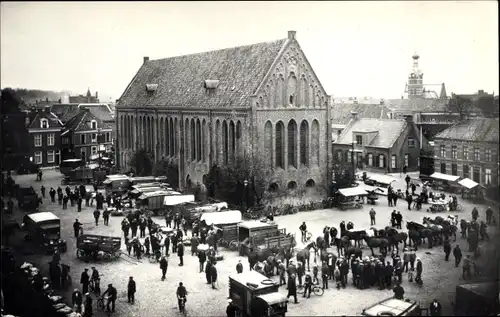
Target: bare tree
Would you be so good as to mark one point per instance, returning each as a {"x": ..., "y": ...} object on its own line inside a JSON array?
[{"x": 460, "y": 105}]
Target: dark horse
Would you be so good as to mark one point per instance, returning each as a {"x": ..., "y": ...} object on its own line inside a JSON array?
[
  {"x": 381, "y": 243},
  {"x": 258, "y": 256},
  {"x": 357, "y": 236},
  {"x": 304, "y": 254},
  {"x": 395, "y": 238}
]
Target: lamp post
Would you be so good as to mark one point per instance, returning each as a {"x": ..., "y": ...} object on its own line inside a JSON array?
[{"x": 246, "y": 194}]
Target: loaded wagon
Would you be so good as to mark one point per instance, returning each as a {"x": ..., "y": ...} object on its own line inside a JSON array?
[
  {"x": 155, "y": 201},
  {"x": 81, "y": 174},
  {"x": 116, "y": 184},
  {"x": 253, "y": 294},
  {"x": 262, "y": 235},
  {"x": 93, "y": 246},
  {"x": 349, "y": 197},
  {"x": 382, "y": 182},
  {"x": 177, "y": 203},
  {"x": 226, "y": 225}
]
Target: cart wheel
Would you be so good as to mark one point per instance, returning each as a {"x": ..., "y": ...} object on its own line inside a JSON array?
[
  {"x": 459, "y": 207},
  {"x": 318, "y": 291},
  {"x": 295, "y": 210},
  {"x": 80, "y": 253},
  {"x": 106, "y": 256}
]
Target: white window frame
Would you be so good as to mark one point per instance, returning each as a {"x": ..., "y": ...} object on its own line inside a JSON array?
[
  {"x": 454, "y": 152},
  {"x": 381, "y": 159},
  {"x": 487, "y": 176},
  {"x": 93, "y": 137},
  {"x": 393, "y": 161},
  {"x": 442, "y": 149},
  {"x": 49, "y": 153},
  {"x": 466, "y": 153},
  {"x": 407, "y": 159},
  {"x": 51, "y": 139},
  {"x": 412, "y": 143},
  {"x": 370, "y": 159},
  {"x": 92, "y": 123},
  {"x": 38, "y": 154},
  {"x": 38, "y": 140},
  {"x": 359, "y": 138},
  {"x": 477, "y": 154},
  {"x": 487, "y": 155},
  {"x": 42, "y": 121},
  {"x": 93, "y": 150}
]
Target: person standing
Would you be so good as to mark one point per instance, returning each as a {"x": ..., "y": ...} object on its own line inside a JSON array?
[
  {"x": 97, "y": 214},
  {"x": 87, "y": 306},
  {"x": 307, "y": 285},
  {"x": 76, "y": 228},
  {"x": 457, "y": 253},
  {"x": 85, "y": 281},
  {"x": 447, "y": 249},
  {"x": 52, "y": 194},
  {"x": 372, "y": 217},
  {"x": 65, "y": 202},
  {"x": 324, "y": 275},
  {"x": 131, "y": 289},
  {"x": 163, "y": 266},
  {"x": 180, "y": 253},
  {"x": 194, "y": 244},
  {"x": 112, "y": 294},
  {"x": 419, "y": 270},
  {"x": 77, "y": 300},
  {"x": 292, "y": 288},
  {"x": 489, "y": 215},
  {"x": 142, "y": 227},
  {"x": 399, "y": 291},
  {"x": 42, "y": 189},
  {"x": 409, "y": 200},
  {"x": 213, "y": 275},
  {"x": 303, "y": 230},
  {"x": 207, "y": 272},
  {"x": 239, "y": 268},
  {"x": 105, "y": 216},
  {"x": 79, "y": 204},
  {"x": 202, "y": 257}
]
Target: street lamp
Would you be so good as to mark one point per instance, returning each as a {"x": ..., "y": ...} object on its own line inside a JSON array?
[{"x": 246, "y": 194}]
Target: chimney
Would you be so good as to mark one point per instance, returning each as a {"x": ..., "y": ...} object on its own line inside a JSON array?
[
  {"x": 354, "y": 115},
  {"x": 291, "y": 35},
  {"x": 146, "y": 58},
  {"x": 47, "y": 109},
  {"x": 409, "y": 118}
]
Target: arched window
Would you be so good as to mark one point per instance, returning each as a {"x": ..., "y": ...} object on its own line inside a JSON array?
[
  {"x": 310, "y": 183},
  {"x": 238, "y": 139},
  {"x": 315, "y": 136},
  {"x": 292, "y": 143},
  {"x": 268, "y": 143},
  {"x": 199, "y": 140},
  {"x": 175, "y": 132},
  {"x": 161, "y": 135},
  {"x": 225, "y": 142},
  {"x": 280, "y": 151},
  {"x": 192, "y": 135},
  {"x": 172, "y": 136},
  {"x": 232, "y": 141},
  {"x": 304, "y": 90},
  {"x": 273, "y": 187},
  {"x": 148, "y": 133},
  {"x": 292, "y": 185},
  {"x": 217, "y": 137},
  {"x": 166, "y": 133},
  {"x": 280, "y": 87},
  {"x": 204, "y": 137},
  {"x": 292, "y": 89},
  {"x": 186, "y": 140},
  {"x": 304, "y": 143}
]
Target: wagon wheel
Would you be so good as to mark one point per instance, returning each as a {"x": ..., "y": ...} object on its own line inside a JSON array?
[
  {"x": 459, "y": 207},
  {"x": 80, "y": 253},
  {"x": 295, "y": 210},
  {"x": 233, "y": 245},
  {"x": 63, "y": 181},
  {"x": 106, "y": 256}
]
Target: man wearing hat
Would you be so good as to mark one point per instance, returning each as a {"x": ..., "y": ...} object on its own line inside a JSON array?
[
  {"x": 239, "y": 267},
  {"x": 324, "y": 274},
  {"x": 77, "y": 300},
  {"x": 112, "y": 294},
  {"x": 87, "y": 306},
  {"x": 418, "y": 278},
  {"x": 163, "y": 267},
  {"x": 85, "y": 281},
  {"x": 95, "y": 279},
  {"x": 308, "y": 285},
  {"x": 131, "y": 289},
  {"x": 281, "y": 272},
  {"x": 292, "y": 288}
]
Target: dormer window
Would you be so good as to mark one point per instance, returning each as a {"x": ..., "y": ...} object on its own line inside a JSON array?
[
  {"x": 44, "y": 123},
  {"x": 359, "y": 139},
  {"x": 211, "y": 84},
  {"x": 151, "y": 87},
  {"x": 93, "y": 125}
]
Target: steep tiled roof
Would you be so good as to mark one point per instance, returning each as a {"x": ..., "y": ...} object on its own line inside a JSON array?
[
  {"x": 341, "y": 113},
  {"x": 65, "y": 111},
  {"x": 418, "y": 105},
  {"x": 389, "y": 131},
  {"x": 79, "y": 122},
  {"x": 476, "y": 129},
  {"x": 102, "y": 111},
  {"x": 180, "y": 79},
  {"x": 54, "y": 121}
]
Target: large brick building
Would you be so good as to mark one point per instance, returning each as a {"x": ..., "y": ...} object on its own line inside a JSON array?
[
  {"x": 262, "y": 100},
  {"x": 469, "y": 149}
]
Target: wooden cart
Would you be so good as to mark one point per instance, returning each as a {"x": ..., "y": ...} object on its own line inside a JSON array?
[
  {"x": 349, "y": 197},
  {"x": 262, "y": 235},
  {"x": 94, "y": 246}
]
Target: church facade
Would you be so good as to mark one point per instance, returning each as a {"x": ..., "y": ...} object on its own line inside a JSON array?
[{"x": 257, "y": 102}]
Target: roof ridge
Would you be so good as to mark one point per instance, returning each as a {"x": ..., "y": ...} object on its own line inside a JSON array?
[{"x": 216, "y": 50}]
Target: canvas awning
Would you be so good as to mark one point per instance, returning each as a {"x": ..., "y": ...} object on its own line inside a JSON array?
[
  {"x": 222, "y": 217},
  {"x": 353, "y": 191},
  {"x": 445, "y": 177},
  {"x": 468, "y": 183},
  {"x": 382, "y": 179}
]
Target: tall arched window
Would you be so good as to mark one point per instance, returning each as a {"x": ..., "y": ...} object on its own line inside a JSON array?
[
  {"x": 232, "y": 140},
  {"x": 304, "y": 90},
  {"x": 134, "y": 134},
  {"x": 238, "y": 139},
  {"x": 122, "y": 130},
  {"x": 217, "y": 137},
  {"x": 199, "y": 140},
  {"x": 148, "y": 133},
  {"x": 225, "y": 142},
  {"x": 292, "y": 90},
  {"x": 271, "y": 94},
  {"x": 268, "y": 144},
  {"x": 192, "y": 135},
  {"x": 280, "y": 140},
  {"x": 166, "y": 132},
  {"x": 173, "y": 137},
  {"x": 204, "y": 143},
  {"x": 280, "y": 90},
  {"x": 186, "y": 140},
  {"x": 161, "y": 137},
  {"x": 315, "y": 142},
  {"x": 292, "y": 143},
  {"x": 304, "y": 143}
]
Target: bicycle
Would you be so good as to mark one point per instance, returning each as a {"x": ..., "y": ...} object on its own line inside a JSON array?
[
  {"x": 101, "y": 306},
  {"x": 182, "y": 307},
  {"x": 318, "y": 291}
]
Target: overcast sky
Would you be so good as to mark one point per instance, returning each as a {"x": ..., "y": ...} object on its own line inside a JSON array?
[{"x": 355, "y": 48}]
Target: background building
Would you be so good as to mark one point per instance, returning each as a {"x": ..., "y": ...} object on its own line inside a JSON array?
[
  {"x": 469, "y": 149},
  {"x": 44, "y": 129},
  {"x": 259, "y": 102},
  {"x": 88, "y": 98}
]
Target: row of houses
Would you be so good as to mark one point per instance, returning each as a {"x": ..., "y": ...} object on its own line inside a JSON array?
[{"x": 64, "y": 131}]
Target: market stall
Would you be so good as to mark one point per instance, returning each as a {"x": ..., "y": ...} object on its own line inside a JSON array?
[
  {"x": 349, "y": 197},
  {"x": 471, "y": 189},
  {"x": 444, "y": 182}
]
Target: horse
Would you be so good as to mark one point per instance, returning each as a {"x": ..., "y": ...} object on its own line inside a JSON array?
[
  {"x": 321, "y": 245},
  {"x": 304, "y": 254},
  {"x": 351, "y": 250},
  {"x": 258, "y": 256},
  {"x": 285, "y": 254},
  {"x": 380, "y": 243},
  {"x": 449, "y": 228},
  {"x": 357, "y": 236},
  {"x": 395, "y": 238},
  {"x": 326, "y": 255}
]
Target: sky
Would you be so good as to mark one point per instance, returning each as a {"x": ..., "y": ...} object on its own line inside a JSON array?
[{"x": 355, "y": 48}]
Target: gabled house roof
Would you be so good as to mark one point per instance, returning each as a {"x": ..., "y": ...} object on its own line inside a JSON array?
[
  {"x": 53, "y": 120},
  {"x": 475, "y": 129},
  {"x": 101, "y": 110},
  {"x": 80, "y": 122},
  {"x": 388, "y": 131},
  {"x": 341, "y": 113},
  {"x": 180, "y": 80},
  {"x": 66, "y": 111}
]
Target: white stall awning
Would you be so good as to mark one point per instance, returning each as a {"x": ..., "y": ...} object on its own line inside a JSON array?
[
  {"x": 353, "y": 191},
  {"x": 445, "y": 177},
  {"x": 468, "y": 183},
  {"x": 382, "y": 179}
]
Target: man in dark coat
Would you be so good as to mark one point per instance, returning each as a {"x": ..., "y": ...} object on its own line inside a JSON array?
[
  {"x": 97, "y": 214},
  {"x": 292, "y": 288},
  {"x": 166, "y": 244},
  {"x": 324, "y": 275},
  {"x": 435, "y": 308},
  {"x": 202, "y": 257},
  {"x": 174, "y": 241},
  {"x": 85, "y": 281},
  {"x": 389, "y": 270},
  {"x": 180, "y": 253},
  {"x": 105, "y": 216},
  {"x": 489, "y": 215},
  {"x": 399, "y": 292},
  {"x": 88, "y": 306},
  {"x": 52, "y": 194},
  {"x": 133, "y": 227},
  {"x": 457, "y": 253},
  {"x": 213, "y": 275},
  {"x": 142, "y": 227},
  {"x": 163, "y": 266},
  {"x": 207, "y": 272},
  {"x": 77, "y": 300},
  {"x": 419, "y": 269},
  {"x": 76, "y": 228},
  {"x": 79, "y": 204},
  {"x": 239, "y": 267},
  {"x": 131, "y": 289},
  {"x": 42, "y": 189},
  {"x": 409, "y": 200},
  {"x": 112, "y": 295},
  {"x": 447, "y": 249}
]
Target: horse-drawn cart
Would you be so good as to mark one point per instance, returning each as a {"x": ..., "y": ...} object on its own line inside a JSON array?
[
  {"x": 349, "y": 197},
  {"x": 95, "y": 246},
  {"x": 226, "y": 225},
  {"x": 439, "y": 206},
  {"x": 259, "y": 235}
]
